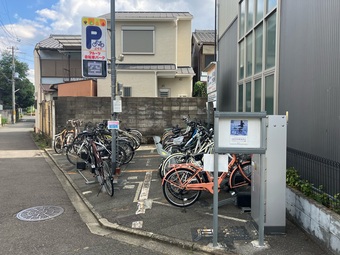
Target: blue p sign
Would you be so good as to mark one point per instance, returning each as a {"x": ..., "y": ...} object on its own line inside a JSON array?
[{"x": 92, "y": 33}]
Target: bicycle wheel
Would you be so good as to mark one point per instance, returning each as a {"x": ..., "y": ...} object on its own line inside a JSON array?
[
  {"x": 174, "y": 188},
  {"x": 58, "y": 145},
  {"x": 175, "y": 158},
  {"x": 69, "y": 137},
  {"x": 240, "y": 176},
  {"x": 107, "y": 179},
  {"x": 76, "y": 152}
]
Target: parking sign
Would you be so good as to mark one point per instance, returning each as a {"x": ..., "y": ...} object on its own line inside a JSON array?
[{"x": 93, "y": 47}]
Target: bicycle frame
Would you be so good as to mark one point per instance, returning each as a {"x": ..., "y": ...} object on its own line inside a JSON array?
[{"x": 207, "y": 185}]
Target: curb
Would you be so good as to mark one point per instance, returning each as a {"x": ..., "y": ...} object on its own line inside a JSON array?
[{"x": 161, "y": 238}]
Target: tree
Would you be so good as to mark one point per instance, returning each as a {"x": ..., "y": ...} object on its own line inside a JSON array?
[
  {"x": 200, "y": 89},
  {"x": 24, "y": 97}
]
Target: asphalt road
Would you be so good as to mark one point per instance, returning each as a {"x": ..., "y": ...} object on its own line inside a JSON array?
[{"x": 30, "y": 180}]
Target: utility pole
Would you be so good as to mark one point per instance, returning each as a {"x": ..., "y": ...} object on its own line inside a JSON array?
[
  {"x": 13, "y": 88},
  {"x": 113, "y": 86}
]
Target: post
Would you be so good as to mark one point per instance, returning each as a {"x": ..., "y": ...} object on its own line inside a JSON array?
[
  {"x": 113, "y": 86},
  {"x": 13, "y": 87}
]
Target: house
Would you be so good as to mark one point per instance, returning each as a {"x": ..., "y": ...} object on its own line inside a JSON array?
[
  {"x": 283, "y": 57},
  {"x": 203, "y": 51},
  {"x": 56, "y": 61},
  {"x": 157, "y": 54},
  {"x": 157, "y": 60}
]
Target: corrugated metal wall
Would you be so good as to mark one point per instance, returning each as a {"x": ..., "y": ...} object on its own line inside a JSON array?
[
  {"x": 309, "y": 75},
  {"x": 227, "y": 77}
]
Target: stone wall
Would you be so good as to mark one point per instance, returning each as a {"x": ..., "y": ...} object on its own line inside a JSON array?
[
  {"x": 149, "y": 115},
  {"x": 320, "y": 222}
]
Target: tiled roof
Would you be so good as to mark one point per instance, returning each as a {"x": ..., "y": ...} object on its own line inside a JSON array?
[
  {"x": 204, "y": 36},
  {"x": 60, "y": 42},
  {"x": 184, "y": 70},
  {"x": 124, "y": 15}
]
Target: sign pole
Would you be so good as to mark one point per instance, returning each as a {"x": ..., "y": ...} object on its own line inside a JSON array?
[{"x": 113, "y": 86}]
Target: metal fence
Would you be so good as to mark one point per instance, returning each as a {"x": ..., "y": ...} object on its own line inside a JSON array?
[{"x": 323, "y": 173}]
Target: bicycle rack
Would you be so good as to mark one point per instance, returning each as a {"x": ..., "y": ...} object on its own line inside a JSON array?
[{"x": 82, "y": 166}]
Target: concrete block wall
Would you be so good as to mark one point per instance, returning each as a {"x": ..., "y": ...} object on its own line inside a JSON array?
[
  {"x": 149, "y": 115},
  {"x": 320, "y": 222}
]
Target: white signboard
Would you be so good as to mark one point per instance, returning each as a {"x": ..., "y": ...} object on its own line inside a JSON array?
[{"x": 93, "y": 47}]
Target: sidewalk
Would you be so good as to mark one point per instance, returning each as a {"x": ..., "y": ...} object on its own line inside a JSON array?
[{"x": 139, "y": 207}]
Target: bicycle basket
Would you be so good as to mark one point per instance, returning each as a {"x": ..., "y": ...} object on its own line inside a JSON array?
[{"x": 178, "y": 140}]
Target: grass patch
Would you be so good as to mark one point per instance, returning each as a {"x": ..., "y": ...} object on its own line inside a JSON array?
[{"x": 41, "y": 140}]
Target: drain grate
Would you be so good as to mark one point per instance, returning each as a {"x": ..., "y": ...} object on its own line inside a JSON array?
[{"x": 39, "y": 213}]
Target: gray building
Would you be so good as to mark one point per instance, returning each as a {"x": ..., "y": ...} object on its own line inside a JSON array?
[{"x": 282, "y": 56}]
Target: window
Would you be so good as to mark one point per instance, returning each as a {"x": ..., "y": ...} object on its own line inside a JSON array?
[
  {"x": 249, "y": 55},
  {"x": 271, "y": 41},
  {"x": 259, "y": 10},
  {"x": 242, "y": 18},
  {"x": 271, "y": 4},
  {"x": 240, "y": 98},
  {"x": 164, "y": 93},
  {"x": 241, "y": 60},
  {"x": 258, "y": 48},
  {"x": 257, "y": 95},
  {"x": 248, "y": 97},
  {"x": 269, "y": 94},
  {"x": 257, "y": 79},
  {"x": 250, "y": 14},
  {"x": 127, "y": 91},
  {"x": 138, "y": 39}
]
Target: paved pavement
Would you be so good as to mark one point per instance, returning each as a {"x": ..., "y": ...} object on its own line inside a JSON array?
[{"x": 139, "y": 207}]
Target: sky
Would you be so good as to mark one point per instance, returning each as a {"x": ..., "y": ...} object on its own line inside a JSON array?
[{"x": 24, "y": 23}]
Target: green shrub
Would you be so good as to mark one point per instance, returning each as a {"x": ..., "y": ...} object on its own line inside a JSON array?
[
  {"x": 3, "y": 121},
  {"x": 293, "y": 180}
]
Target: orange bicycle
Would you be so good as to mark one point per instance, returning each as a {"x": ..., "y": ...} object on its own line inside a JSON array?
[{"x": 183, "y": 184}]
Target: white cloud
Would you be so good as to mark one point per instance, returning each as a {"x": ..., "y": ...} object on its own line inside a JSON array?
[
  {"x": 64, "y": 17},
  {"x": 47, "y": 14}
]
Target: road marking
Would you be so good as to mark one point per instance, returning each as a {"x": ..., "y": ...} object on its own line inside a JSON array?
[
  {"x": 140, "y": 170},
  {"x": 144, "y": 193},
  {"x": 229, "y": 218}
]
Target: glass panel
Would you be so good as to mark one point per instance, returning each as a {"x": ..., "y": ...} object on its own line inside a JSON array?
[
  {"x": 271, "y": 4},
  {"x": 240, "y": 98},
  {"x": 248, "y": 97},
  {"x": 269, "y": 94},
  {"x": 241, "y": 60},
  {"x": 137, "y": 41},
  {"x": 249, "y": 53},
  {"x": 250, "y": 14},
  {"x": 257, "y": 96},
  {"x": 242, "y": 18},
  {"x": 258, "y": 48},
  {"x": 259, "y": 10},
  {"x": 271, "y": 41}
]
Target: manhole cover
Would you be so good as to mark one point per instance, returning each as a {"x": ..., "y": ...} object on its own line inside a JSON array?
[{"x": 38, "y": 213}]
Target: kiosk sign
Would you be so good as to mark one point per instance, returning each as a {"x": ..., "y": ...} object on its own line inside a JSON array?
[{"x": 93, "y": 47}]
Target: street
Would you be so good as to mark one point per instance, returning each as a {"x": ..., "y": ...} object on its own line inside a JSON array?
[{"x": 28, "y": 180}]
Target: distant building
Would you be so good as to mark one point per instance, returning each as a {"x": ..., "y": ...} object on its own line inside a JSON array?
[{"x": 203, "y": 51}]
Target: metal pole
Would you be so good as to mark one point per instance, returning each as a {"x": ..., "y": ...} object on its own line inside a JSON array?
[
  {"x": 13, "y": 88},
  {"x": 113, "y": 85}
]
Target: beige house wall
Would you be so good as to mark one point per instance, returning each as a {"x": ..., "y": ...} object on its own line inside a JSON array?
[
  {"x": 143, "y": 84},
  {"x": 184, "y": 43},
  {"x": 177, "y": 86},
  {"x": 172, "y": 46}
]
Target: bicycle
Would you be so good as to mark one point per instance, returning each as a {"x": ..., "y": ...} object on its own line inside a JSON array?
[
  {"x": 66, "y": 136},
  {"x": 100, "y": 167},
  {"x": 183, "y": 184}
]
